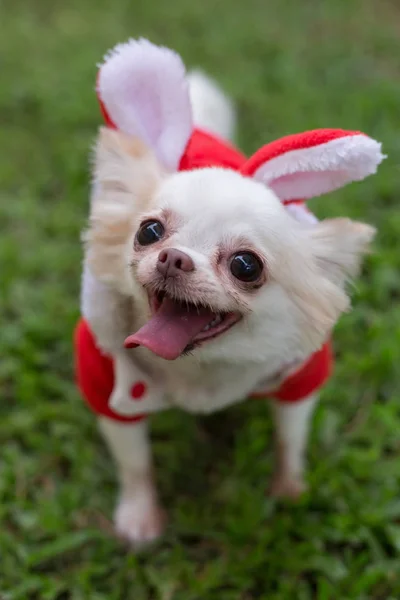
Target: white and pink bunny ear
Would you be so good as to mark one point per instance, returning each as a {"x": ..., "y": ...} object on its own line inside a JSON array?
[
  {"x": 305, "y": 165},
  {"x": 142, "y": 90}
]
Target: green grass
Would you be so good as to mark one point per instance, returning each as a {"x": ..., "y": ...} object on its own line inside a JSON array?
[{"x": 290, "y": 66}]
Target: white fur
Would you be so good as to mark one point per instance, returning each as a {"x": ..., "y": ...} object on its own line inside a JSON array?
[
  {"x": 292, "y": 423},
  {"x": 211, "y": 212},
  {"x": 310, "y": 172},
  {"x": 128, "y": 444},
  {"x": 138, "y": 516}
]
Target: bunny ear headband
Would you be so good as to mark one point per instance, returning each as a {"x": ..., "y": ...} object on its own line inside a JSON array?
[{"x": 143, "y": 91}]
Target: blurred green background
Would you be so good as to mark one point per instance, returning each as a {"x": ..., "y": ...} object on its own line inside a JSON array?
[{"x": 289, "y": 66}]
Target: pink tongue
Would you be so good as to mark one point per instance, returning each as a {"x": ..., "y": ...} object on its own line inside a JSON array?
[{"x": 171, "y": 329}]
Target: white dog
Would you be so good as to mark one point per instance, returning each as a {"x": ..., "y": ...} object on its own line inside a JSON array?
[{"x": 206, "y": 280}]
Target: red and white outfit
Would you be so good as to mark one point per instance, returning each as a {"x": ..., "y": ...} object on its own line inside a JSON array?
[{"x": 296, "y": 167}]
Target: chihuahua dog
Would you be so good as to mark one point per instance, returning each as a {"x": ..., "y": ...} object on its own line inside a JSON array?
[{"x": 206, "y": 280}]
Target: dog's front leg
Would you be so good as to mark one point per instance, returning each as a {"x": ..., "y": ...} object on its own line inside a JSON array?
[
  {"x": 292, "y": 422},
  {"x": 138, "y": 516}
]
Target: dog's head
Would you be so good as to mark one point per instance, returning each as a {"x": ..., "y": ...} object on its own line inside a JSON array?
[
  {"x": 213, "y": 251},
  {"x": 214, "y": 258}
]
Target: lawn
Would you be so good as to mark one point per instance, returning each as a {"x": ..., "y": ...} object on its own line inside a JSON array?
[{"x": 290, "y": 66}]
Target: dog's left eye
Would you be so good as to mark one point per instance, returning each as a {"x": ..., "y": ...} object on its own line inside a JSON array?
[
  {"x": 149, "y": 233},
  {"x": 246, "y": 267}
]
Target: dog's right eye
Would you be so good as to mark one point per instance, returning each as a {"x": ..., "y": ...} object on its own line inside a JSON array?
[{"x": 149, "y": 233}]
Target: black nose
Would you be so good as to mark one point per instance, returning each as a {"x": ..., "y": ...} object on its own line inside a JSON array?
[{"x": 172, "y": 261}]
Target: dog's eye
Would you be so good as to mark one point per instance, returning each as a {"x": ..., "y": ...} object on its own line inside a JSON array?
[
  {"x": 246, "y": 267},
  {"x": 149, "y": 233}
]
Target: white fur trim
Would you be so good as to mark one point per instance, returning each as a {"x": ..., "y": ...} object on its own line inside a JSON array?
[
  {"x": 310, "y": 172},
  {"x": 145, "y": 92},
  {"x": 127, "y": 373}
]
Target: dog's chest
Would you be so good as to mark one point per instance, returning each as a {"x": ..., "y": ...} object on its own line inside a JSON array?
[{"x": 205, "y": 387}]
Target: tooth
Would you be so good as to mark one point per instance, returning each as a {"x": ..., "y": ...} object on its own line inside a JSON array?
[{"x": 216, "y": 321}]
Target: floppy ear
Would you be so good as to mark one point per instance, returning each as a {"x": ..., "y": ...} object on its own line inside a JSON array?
[
  {"x": 305, "y": 165},
  {"x": 143, "y": 92}
]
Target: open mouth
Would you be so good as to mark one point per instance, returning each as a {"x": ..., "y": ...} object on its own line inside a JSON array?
[{"x": 176, "y": 327}]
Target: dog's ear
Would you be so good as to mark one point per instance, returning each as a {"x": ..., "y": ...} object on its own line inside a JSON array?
[
  {"x": 318, "y": 285},
  {"x": 339, "y": 246},
  {"x": 124, "y": 165},
  {"x": 305, "y": 165},
  {"x": 126, "y": 175},
  {"x": 143, "y": 92}
]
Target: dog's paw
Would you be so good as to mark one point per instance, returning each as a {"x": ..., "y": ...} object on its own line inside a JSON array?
[
  {"x": 138, "y": 523},
  {"x": 287, "y": 487}
]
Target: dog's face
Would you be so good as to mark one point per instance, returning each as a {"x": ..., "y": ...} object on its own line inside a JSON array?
[{"x": 220, "y": 264}]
